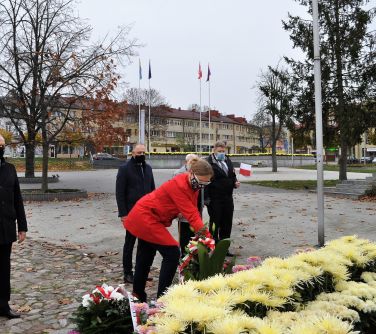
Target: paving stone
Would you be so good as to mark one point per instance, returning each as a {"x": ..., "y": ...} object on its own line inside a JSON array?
[{"x": 46, "y": 293}]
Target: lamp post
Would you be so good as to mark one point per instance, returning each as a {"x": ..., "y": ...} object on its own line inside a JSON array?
[{"x": 319, "y": 133}]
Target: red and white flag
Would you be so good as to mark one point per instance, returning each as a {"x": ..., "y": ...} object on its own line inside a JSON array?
[
  {"x": 245, "y": 169},
  {"x": 199, "y": 71}
]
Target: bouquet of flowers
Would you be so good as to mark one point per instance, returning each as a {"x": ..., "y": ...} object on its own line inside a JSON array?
[
  {"x": 144, "y": 315},
  {"x": 252, "y": 262},
  {"x": 204, "y": 258},
  {"x": 104, "y": 310}
]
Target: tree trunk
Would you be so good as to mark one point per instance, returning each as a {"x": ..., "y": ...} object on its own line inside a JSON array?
[
  {"x": 30, "y": 160},
  {"x": 45, "y": 166},
  {"x": 343, "y": 159},
  {"x": 274, "y": 148},
  {"x": 341, "y": 115}
]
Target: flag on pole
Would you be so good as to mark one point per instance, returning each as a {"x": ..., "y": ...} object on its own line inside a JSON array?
[
  {"x": 245, "y": 169},
  {"x": 139, "y": 69},
  {"x": 209, "y": 74},
  {"x": 199, "y": 71},
  {"x": 149, "y": 75}
]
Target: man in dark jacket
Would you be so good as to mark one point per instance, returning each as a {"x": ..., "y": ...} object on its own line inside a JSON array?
[
  {"x": 134, "y": 180},
  {"x": 11, "y": 210},
  {"x": 218, "y": 193}
]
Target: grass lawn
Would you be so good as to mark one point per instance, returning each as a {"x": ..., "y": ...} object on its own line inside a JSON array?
[
  {"x": 293, "y": 184},
  {"x": 356, "y": 168},
  {"x": 54, "y": 164}
]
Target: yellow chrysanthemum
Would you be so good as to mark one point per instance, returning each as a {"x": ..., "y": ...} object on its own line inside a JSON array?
[
  {"x": 217, "y": 282},
  {"x": 270, "y": 328},
  {"x": 333, "y": 325},
  {"x": 193, "y": 311},
  {"x": 230, "y": 324},
  {"x": 185, "y": 290},
  {"x": 169, "y": 325},
  {"x": 221, "y": 298}
]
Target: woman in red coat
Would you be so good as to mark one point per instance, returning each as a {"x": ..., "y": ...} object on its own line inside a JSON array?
[{"x": 153, "y": 213}]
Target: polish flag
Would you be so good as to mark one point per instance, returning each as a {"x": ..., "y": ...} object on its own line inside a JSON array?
[{"x": 245, "y": 169}]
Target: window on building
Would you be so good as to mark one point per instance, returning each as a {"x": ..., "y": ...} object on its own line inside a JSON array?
[
  {"x": 170, "y": 134},
  {"x": 130, "y": 119}
]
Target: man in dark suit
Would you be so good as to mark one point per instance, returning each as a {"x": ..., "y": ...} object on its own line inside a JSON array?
[
  {"x": 11, "y": 210},
  {"x": 134, "y": 180},
  {"x": 218, "y": 194}
]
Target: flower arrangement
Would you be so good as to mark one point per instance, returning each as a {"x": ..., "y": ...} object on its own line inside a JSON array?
[
  {"x": 104, "y": 310},
  {"x": 252, "y": 262},
  {"x": 327, "y": 291},
  {"x": 144, "y": 315},
  {"x": 204, "y": 258}
]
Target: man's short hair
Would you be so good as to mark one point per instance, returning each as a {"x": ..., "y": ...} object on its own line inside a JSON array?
[
  {"x": 219, "y": 144},
  {"x": 138, "y": 144}
]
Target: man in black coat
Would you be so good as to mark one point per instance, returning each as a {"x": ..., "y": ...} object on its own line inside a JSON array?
[
  {"x": 11, "y": 210},
  {"x": 134, "y": 180},
  {"x": 218, "y": 194}
]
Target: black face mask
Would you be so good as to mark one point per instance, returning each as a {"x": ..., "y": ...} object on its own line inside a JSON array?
[
  {"x": 140, "y": 159},
  {"x": 195, "y": 184},
  {"x": 2, "y": 149}
]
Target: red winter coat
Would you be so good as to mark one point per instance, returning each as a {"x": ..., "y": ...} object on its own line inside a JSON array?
[{"x": 155, "y": 211}]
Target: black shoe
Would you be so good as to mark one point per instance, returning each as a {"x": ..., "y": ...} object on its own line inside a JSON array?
[
  {"x": 230, "y": 254},
  {"x": 10, "y": 314},
  {"x": 128, "y": 278}
]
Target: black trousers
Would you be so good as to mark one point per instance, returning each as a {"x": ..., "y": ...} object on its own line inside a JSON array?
[
  {"x": 5, "y": 251},
  {"x": 221, "y": 212},
  {"x": 144, "y": 259},
  {"x": 130, "y": 240},
  {"x": 185, "y": 235}
]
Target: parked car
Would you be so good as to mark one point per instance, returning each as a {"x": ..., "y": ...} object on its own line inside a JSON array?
[
  {"x": 104, "y": 156},
  {"x": 374, "y": 160},
  {"x": 352, "y": 160},
  {"x": 368, "y": 160}
]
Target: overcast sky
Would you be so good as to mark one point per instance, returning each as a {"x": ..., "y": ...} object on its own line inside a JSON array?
[{"x": 238, "y": 38}]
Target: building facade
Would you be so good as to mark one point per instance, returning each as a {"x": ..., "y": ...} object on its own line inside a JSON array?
[{"x": 177, "y": 130}]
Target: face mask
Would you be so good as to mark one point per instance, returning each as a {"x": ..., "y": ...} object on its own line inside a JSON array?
[
  {"x": 139, "y": 159},
  {"x": 220, "y": 156},
  {"x": 2, "y": 149}
]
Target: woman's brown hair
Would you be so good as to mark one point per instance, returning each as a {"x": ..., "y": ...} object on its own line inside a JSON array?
[{"x": 201, "y": 167}]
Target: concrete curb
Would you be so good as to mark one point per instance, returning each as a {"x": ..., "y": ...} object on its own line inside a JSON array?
[
  {"x": 62, "y": 196},
  {"x": 37, "y": 179}
]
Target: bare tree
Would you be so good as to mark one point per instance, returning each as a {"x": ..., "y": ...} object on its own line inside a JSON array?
[
  {"x": 134, "y": 96},
  {"x": 276, "y": 95},
  {"x": 45, "y": 58}
]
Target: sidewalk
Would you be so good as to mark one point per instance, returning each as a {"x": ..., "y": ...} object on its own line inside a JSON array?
[{"x": 73, "y": 246}]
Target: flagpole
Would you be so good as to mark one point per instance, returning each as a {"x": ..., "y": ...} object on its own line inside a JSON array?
[
  {"x": 149, "y": 134},
  {"x": 139, "y": 100},
  {"x": 208, "y": 79},
  {"x": 200, "y": 121}
]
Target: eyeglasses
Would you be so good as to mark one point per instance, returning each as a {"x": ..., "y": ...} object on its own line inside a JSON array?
[{"x": 201, "y": 183}]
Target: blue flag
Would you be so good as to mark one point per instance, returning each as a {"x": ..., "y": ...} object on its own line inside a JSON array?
[
  {"x": 209, "y": 74},
  {"x": 139, "y": 69},
  {"x": 149, "y": 76}
]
